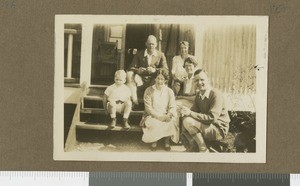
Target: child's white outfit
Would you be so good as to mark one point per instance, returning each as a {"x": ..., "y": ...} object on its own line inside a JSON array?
[{"x": 118, "y": 100}]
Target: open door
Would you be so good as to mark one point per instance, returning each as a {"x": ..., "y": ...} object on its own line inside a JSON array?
[{"x": 136, "y": 36}]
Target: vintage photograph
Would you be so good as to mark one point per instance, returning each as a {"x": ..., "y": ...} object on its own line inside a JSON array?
[{"x": 160, "y": 88}]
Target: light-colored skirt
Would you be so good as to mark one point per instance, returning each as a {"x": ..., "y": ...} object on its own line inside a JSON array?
[{"x": 155, "y": 130}]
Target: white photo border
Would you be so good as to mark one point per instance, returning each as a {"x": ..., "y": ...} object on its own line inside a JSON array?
[{"x": 259, "y": 156}]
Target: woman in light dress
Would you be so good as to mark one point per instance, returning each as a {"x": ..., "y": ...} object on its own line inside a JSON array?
[{"x": 159, "y": 120}]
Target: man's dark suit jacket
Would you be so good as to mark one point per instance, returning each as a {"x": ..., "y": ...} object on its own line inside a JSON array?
[{"x": 139, "y": 60}]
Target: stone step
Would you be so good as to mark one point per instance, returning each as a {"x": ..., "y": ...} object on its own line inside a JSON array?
[
  {"x": 96, "y": 115},
  {"x": 106, "y": 127}
]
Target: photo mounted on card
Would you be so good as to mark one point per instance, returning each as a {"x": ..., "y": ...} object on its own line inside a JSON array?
[{"x": 160, "y": 88}]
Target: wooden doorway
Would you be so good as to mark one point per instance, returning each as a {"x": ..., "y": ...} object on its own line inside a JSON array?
[
  {"x": 136, "y": 35},
  {"x": 105, "y": 57}
]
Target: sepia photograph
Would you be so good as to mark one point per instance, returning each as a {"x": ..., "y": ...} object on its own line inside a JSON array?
[{"x": 160, "y": 88}]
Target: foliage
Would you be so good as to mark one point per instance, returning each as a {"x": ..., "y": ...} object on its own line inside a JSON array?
[
  {"x": 243, "y": 126},
  {"x": 243, "y": 123}
]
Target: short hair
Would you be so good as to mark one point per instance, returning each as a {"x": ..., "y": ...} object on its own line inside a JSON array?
[
  {"x": 190, "y": 60},
  {"x": 120, "y": 73},
  {"x": 163, "y": 72},
  {"x": 151, "y": 37},
  {"x": 185, "y": 43},
  {"x": 199, "y": 71}
]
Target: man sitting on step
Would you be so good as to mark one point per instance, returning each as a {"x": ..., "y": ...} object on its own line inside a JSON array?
[
  {"x": 143, "y": 68},
  {"x": 117, "y": 99}
]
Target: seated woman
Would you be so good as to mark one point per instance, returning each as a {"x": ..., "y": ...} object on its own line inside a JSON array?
[
  {"x": 188, "y": 88},
  {"x": 187, "y": 95},
  {"x": 178, "y": 70},
  {"x": 160, "y": 113}
]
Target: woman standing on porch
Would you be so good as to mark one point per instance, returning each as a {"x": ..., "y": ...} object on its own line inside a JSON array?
[{"x": 160, "y": 113}]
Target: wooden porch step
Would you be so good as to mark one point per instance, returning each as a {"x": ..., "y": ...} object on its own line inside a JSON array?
[
  {"x": 101, "y": 126},
  {"x": 101, "y": 111},
  {"x": 95, "y": 91},
  {"x": 97, "y": 115},
  {"x": 92, "y": 102},
  {"x": 98, "y": 86},
  {"x": 95, "y": 101},
  {"x": 99, "y": 98}
]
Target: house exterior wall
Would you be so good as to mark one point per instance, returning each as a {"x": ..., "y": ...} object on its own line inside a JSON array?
[
  {"x": 227, "y": 52},
  {"x": 229, "y": 55}
]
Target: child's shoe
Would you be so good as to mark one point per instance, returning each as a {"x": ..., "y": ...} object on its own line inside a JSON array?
[
  {"x": 113, "y": 122},
  {"x": 125, "y": 122}
]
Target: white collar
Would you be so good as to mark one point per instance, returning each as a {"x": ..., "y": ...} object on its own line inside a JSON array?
[
  {"x": 146, "y": 53},
  {"x": 206, "y": 94}
]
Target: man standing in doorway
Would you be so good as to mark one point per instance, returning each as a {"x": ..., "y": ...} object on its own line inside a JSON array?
[
  {"x": 208, "y": 118},
  {"x": 144, "y": 65}
]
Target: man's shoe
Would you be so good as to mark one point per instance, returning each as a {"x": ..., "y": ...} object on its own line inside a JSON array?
[{"x": 204, "y": 150}]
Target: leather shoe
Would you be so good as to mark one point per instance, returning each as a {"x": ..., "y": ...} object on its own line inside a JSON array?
[
  {"x": 168, "y": 148},
  {"x": 153, "y": 147}
]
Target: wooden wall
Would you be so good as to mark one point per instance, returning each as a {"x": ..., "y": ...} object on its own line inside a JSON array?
[{"x": 229, "y": 56}]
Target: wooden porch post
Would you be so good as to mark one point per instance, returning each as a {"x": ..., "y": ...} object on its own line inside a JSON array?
[
  {"x": 86, "y": 54},
  {"x": 70, "y": 51}
]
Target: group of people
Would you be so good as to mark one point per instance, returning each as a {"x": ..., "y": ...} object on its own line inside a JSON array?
[{"x": 191, "y": 98}]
